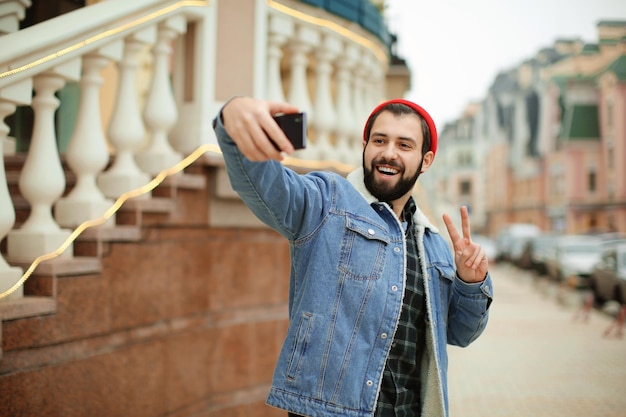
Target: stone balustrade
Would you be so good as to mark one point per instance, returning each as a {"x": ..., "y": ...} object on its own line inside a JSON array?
[
  {"x": 344, "y": 69},
  {"x": 40, "y": 61},
  {"x": 333, "y": 71}
]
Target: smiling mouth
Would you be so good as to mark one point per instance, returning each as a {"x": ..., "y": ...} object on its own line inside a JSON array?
[{"x": 387, "y": 170}]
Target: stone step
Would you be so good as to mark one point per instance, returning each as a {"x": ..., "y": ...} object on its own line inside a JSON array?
[{"x": 177, "y": 200}]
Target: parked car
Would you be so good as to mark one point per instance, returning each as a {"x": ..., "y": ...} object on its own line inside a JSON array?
[
  {"x": 511, "y": 240},
  {"x": 572, "y": 259},
  {"x": 610, "y": 236},
  {"x": 608, "y": 278},
  {"x": 538, "y": 249}
]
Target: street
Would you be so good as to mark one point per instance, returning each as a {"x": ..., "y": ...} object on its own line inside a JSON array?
[{"x": 536, "y": 358}]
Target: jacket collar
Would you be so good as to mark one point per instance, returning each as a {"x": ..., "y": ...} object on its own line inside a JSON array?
[{"x": 356, "y": 178}]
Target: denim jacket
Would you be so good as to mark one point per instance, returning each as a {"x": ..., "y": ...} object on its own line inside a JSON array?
[{"x": 347, "y": 283}]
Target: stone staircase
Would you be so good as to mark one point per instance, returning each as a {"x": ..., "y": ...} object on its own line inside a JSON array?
[
  {"x": 173, "y": 202},
  {"x": 156, "y": 315}
]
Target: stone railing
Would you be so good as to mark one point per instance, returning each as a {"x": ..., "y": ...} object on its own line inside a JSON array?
[
  {"x": 331, "y": 68},
  {"x": 348, "y": 64},
  {"x": 76, "y": 47}
]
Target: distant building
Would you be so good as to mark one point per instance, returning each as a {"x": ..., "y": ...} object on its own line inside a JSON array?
[{"x": 547, "y": 145}]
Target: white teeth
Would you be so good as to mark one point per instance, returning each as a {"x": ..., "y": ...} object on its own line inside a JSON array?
[{"x": 388, "y": 170}]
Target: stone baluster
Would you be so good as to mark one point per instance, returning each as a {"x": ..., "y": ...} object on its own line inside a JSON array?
[
  {"x": 8, "y": 275},
  {"x": 11, "y": 13},
  {"x": 193, "y": 75},
  {"x": 274, "y": 79},
  {"x": 376, "y": 82},
  {"x": 302, "y": 42},
  {"x": 160, "y": 112},
  {"x": 126, "y": 129},
  {"x": 367, "y": 86},
  {"x": 360, "y": 111},
  {"x": 345, "y": 109},
  {"x": 280, "y": 29},
  {"x": 42, "y": 180},
  {"x": 87, "y": 154},
  {"x": 325, "y": 118},
  {"x": 10, "y": 97},
  {"x": 381, "y": 82}
]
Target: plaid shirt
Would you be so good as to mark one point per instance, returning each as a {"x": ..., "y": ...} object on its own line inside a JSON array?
[{"x": 400, "y": 389}]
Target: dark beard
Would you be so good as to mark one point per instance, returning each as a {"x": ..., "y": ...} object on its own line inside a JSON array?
[{"x": 383, "y": 193}]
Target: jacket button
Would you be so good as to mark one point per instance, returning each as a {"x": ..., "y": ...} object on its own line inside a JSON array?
[
  {"x": 396, "y": 249},
  {"x": 371, "y": 232},
  {"x": 394, "y": 288},
  {"x": 383, "y": 336},
  {"x": 369, "y": 383}
]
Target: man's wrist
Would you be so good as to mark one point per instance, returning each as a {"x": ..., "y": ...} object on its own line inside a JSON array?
[
  {"x": 473, "y": 282},
  {"x": 220, "y": 114}
]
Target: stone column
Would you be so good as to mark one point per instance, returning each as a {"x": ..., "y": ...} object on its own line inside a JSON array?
[
  {"x": 160, "y": 113},
  {"x": 10, "y": 97},
  {"x": 87, "y": 154},
  {"x": 360, "y": 108},
  {"x": 11, "y": 13},
  {"x": 300, "y": 45},
  {"x": 344, "y": 127},
  {"x": 126, "y": 130},
  {"x": 42, "y": 180},
  {"x": 325, "y": 118},
  {"x": 280, "y": 29}
]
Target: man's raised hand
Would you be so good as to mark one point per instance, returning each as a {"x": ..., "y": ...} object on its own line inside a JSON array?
[
  {"x": 469, "y": 257},
  {"x": 250, "y": 124}
]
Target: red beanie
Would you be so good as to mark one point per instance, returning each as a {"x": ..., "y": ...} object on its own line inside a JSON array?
[{"x": 418, "y": 109}]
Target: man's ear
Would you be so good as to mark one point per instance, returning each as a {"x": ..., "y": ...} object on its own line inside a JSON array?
[{"x": 428, "y": 160}]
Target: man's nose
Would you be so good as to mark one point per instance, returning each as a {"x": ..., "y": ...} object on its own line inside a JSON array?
[{"x": 390, "y": 151}]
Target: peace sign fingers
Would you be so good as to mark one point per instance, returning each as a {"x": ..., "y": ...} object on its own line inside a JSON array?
[
  {"x": 465, "y": 228},
  {"x": 465, "y": 223},
  {"x": 469, "y": 257}
]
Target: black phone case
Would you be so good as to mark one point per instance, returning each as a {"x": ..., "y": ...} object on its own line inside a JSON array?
[{"x": 294, "y": 126}]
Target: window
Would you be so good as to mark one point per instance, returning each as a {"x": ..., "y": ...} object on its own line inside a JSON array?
[
  {"x": 465, "y": 187},
  {"x": 592, "y": 180},
  {"x": 610, "y": 154},
  {"x": 464, "y": 158},
  {"x": 557, "y": 184}
]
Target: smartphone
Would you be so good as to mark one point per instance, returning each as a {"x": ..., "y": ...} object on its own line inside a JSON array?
[{"x": 294, "y": 126}]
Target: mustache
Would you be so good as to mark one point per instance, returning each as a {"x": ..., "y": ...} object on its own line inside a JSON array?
[{"x": 385, "y": 161}]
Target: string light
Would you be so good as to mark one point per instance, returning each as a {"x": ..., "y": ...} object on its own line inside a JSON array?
[{"x": 158, "y": 179}]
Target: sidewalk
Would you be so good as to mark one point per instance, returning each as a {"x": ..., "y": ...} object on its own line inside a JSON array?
[{"x": 535, "y": 360}]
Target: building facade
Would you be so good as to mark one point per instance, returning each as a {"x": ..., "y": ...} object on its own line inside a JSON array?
[{"x": 551, "y": 134}]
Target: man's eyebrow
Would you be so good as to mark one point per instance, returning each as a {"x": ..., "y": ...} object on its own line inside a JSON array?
[
  {"x": 403, "y": 138},
  {"x": 408, "y": 139}
]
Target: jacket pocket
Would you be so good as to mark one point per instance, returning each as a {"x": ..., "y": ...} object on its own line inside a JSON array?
[
  {"x": 447, "y": 272},
  {"x": 443, "y": 276},
  {"x": 363, "y": 249},
  {"x": 303, "y": 334}
]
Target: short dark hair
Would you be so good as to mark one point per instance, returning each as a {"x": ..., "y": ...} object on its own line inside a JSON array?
[{"x": 398, "y": 109}]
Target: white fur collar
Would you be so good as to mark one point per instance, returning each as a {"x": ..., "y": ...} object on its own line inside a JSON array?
[{"x": 356, "y": 179}]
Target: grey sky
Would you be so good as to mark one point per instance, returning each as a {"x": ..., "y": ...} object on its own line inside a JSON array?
[{"x": 455, "y": 48}]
